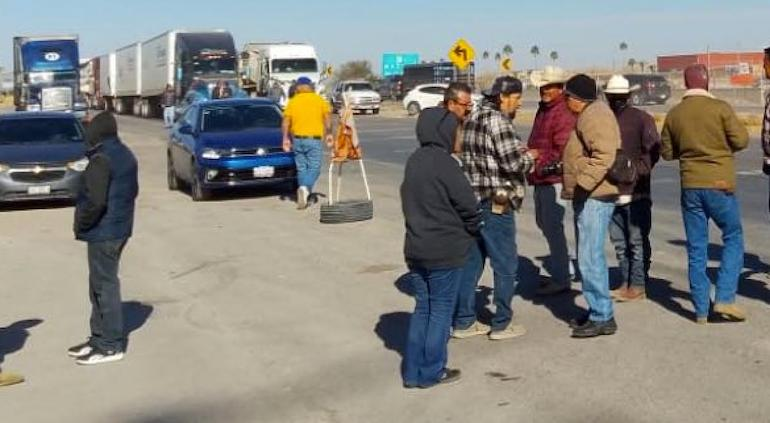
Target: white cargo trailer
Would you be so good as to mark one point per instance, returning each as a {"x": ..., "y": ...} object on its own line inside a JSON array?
[{"x": 128, "y": 83}]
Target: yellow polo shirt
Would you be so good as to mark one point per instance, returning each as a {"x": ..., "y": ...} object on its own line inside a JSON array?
[{"x": 307, "y": 112}]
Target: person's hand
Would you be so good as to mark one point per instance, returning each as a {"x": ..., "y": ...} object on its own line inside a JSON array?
[
  {"x": 329, "y": 140},
  {"x": 286, "y": 145},
  {"x": 535, "y": 154}
]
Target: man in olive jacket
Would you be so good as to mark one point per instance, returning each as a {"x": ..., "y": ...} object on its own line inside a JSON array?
[
  {"x": 704, "y": 134},
  {"x": 587, "y": 157}
]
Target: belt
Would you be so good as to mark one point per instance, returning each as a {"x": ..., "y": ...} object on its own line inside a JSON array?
[{"x": 312, "y": 137}]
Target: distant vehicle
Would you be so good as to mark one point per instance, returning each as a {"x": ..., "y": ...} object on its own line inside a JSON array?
[
  {"x": 46, "y": 74},
  {"x": 435, "y": 73},
  {"x": 42, "y": 156},
  {"x": 133, "y": 78},
  {"x": 263, "y": 64},
  {"x": 89, "y": 83},
  {"x": 430, "y": 95},
  {"x": 652, "y": 89},
  {"x": 390, "y": 88},
  {"x": 6, "y": 83},
  {"x": 223, "y": 144},
  {"x": 361, "y": 94}
]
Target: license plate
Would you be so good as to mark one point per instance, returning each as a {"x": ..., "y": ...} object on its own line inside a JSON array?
[
  {"x": 264, "y": 172},
  {"x": 39, "y": 190}
]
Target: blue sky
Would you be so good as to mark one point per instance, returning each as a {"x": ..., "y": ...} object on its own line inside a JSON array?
[{"x": 584, "y": 33}]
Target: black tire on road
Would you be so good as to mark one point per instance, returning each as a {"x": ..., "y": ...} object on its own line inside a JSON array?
[
  {"x": 347, "y": 212},
  {"x": 197, "y": 192},
  {"x": 172, "y": 179},
  {"x": 413, "y": 108}
]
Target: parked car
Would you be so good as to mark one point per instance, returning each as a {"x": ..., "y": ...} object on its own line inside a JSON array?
[
  {"x": 652, "y": 89},
  {"x": 223, "y": 144},
  {"x": 430, "y": 95},
  {"x": 42, "y": 156},
  {"x": 390, "y": 88},
  {"x": 362, "y": 96}
]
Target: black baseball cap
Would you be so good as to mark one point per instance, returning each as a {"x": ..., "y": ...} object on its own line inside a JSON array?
[{"x": 504, "y": 85}]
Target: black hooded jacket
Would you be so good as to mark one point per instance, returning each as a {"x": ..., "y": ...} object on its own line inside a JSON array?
[{"x": 440, "y": 208}]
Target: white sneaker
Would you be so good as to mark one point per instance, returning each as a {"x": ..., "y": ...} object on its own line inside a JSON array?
[
  {"x": 510, "y": 331},
  {"x": 302, "y": 194},
  {"x": 98, "y": 356},
  {"x": 474, "y": 330}
]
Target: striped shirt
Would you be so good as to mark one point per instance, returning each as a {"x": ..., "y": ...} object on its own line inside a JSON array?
[{"x": 493, "y": 155}]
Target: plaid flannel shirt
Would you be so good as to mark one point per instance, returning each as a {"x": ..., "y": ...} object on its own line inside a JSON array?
[
  {"x": 493, "y": 156},
  {"x": 766, "y": 127}
]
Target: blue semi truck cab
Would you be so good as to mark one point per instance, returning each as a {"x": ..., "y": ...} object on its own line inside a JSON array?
[{"x": 46, "y": 74}]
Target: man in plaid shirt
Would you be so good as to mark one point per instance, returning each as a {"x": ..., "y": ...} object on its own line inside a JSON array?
[
  {"x": 766, "y": 120},
  {"x": 496, "y": 164}
]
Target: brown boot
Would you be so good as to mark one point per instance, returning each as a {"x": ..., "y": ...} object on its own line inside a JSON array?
[
  {"x": 617, "y": 293},
  {"x": 7, "y": 379},
  {"x": 730, "y": 312},
  {"x": 631, "y": 294}
]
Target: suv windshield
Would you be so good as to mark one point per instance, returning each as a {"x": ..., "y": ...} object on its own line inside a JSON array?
[
  {"x": 40, "y": 131},
  {"x": 295, "y": 65},
  {"x": 359, "y": 86},
  {"x": 227, "y": 118}
]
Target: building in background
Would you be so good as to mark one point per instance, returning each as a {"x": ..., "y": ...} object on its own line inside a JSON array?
[{"x": 735, "y": 68}]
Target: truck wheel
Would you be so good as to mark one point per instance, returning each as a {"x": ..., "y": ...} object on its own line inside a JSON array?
[
  {"x": 197, "y": 192},
  {"x": 376, "y": 111},
  {"x": 347, "y": 212},
  {"x": 119, "y": 106},
  {"x": 413, "y": 108}
]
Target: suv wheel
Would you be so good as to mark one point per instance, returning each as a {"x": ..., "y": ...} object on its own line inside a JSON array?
[
  {"x": 413, "y": 108},
  {"x": 197, "y": 191},
  {"x": 173, "y": 180}
]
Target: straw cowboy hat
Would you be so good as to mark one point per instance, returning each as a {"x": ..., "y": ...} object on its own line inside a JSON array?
[
  {"x": 618, "y": 84},
  {"x": 549, "y": 75}
]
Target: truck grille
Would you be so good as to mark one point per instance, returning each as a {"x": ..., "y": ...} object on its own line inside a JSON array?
[
  {"x": 30, "y": 177},
  {"x": 245, "y": 152},
  {"x": 59, "y": 98},
  {"x": 248, "y": 175}
]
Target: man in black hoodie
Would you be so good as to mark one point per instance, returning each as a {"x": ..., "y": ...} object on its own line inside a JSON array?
[
  {"x": 442, "y": 217},
  {"x": 104, "y": 218}
]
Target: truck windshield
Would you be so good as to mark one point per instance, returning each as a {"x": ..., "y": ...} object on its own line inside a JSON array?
[
  {"x": 295, "y": 66},
  {"x": 228, "y": 118},
  {"x": 362, "y": 86},
  {"x": 223, "y": 66},
  {"x": 40, "y": 131}
]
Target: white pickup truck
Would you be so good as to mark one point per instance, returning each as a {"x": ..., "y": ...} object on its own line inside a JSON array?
[{"x": 360, "y": 93}]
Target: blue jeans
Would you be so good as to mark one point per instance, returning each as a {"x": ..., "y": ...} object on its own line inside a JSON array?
[
  {"x": 107, "y": 331},
  {"x": 593, "y": 219},
  {"x": 426, "y": 349},
  {"x": 549, "y": 216},
  {"x": 308, "y": 153},
  {"x": 498, "y": 242},
  {"x": 698, "y": 206},
  {"x": 630, "y": 234}
]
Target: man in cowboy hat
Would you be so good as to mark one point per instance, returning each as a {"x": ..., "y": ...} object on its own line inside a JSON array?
[
  {"x": 550, "y": 132},
  {"x": 632, "y": 219}
]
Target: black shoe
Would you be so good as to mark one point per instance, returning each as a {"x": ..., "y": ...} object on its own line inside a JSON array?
[
  {"x": 449, "y": 377},
  {"x": 97, "y": 356},
  {"x": 579, "y": 321},
  {"x": 80, "y": 350},
  {"x": 592, "y": 329}
]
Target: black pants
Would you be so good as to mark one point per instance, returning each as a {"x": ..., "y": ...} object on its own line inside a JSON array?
[{"x": 106, "y": 306}]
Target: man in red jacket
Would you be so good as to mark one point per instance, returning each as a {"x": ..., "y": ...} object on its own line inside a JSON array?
[{"x": 552, "y": 128}]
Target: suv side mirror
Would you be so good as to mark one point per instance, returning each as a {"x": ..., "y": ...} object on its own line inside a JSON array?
[{"x": 186, "y": 129}]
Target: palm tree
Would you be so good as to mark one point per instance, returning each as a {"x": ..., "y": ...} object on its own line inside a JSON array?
[
  {"x": 535, "y": 51},
  {"x": 652, "y": 68},
  {"x": 485, "y": 55},
  {"x": 642, "y": 65},
  {"x": 631, "y": 63},
  {"x": 507, "y": 50},
  {"x": 554, "y": 56},
  {"x": 623, "y": 46},
  {"x": 498, "y": 57}
]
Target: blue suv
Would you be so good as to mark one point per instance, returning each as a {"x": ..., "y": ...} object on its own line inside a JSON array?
[{"x": 231, "y": 143}]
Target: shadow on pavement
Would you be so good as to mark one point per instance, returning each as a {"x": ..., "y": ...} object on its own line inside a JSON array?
[
  {"x": 664, "y": 293},
  {"x": 135, "y": 315},
  {"x": 13, "y": 337},
  {"x": 752, "y": 265},
  {"x": 562, "y": 306},
  {"x": 35, "y": 205}
]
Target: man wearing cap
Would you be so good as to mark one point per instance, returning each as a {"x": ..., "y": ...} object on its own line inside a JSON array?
[
  {"x": 496, "y": 163},
  {"x": 704, "y": 134},
  {"x": 306, "y": 122},
  {"x": 588, "y": 156},
  {"x": 551, "y": 130},
  {"x": 632, "y": 219}
]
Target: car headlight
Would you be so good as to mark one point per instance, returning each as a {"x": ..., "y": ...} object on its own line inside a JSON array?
[
  {"x": 78, "y": 165},
  {"x": 3, "y": 168},
  {"x": 211, "y": 154}
]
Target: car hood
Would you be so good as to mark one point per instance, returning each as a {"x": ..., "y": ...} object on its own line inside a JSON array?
[
  {"x": 261, "y": 137},
  {"x": 42, "y": 153}
]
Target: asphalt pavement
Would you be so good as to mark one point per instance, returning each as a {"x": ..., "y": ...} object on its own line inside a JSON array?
[{"x": 243, "y": 309}]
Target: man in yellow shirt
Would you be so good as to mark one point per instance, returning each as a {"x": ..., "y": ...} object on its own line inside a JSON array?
[{"x": 306, "y": 122}]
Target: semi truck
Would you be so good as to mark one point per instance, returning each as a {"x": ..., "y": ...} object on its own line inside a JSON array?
[
  {"x": 264, "y": 64},
  {"x": 46, "y": 74},
  {"x": 435, "y": 73},
  {"x": 133, "y": 78}
]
